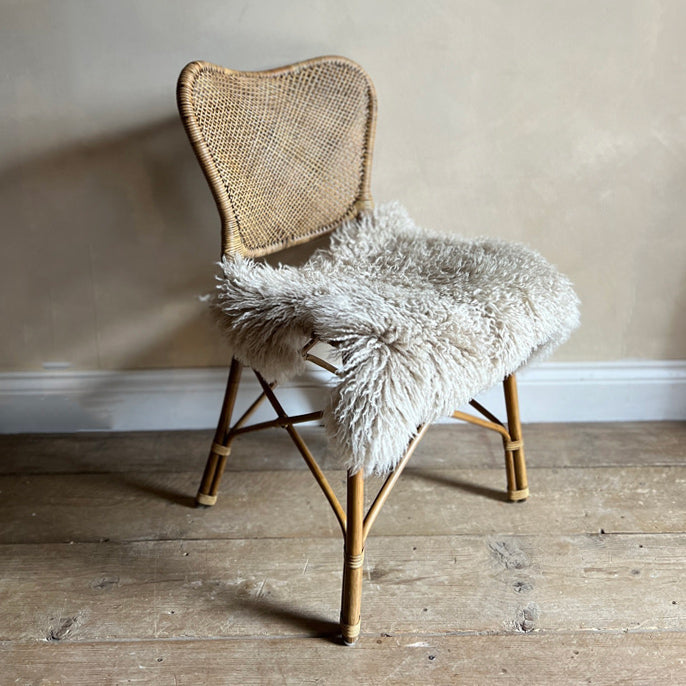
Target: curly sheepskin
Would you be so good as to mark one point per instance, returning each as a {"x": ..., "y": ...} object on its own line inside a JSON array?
[{"x": 423, "y": 322}]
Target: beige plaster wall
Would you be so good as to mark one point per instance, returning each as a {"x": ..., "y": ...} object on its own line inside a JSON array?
[{"x": 559, "y": 123}]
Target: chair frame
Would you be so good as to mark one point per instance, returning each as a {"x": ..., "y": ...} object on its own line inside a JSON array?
[{"x": 354, "y": 522}]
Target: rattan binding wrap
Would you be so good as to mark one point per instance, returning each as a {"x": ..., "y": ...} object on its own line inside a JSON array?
[{"x": 287, "y": 152}]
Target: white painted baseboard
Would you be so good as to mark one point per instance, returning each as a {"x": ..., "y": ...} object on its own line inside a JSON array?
[{"x": 64, "y": 401}]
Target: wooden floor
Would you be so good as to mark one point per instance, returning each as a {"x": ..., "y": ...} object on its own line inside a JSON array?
[{"x": 109, "y": 575}]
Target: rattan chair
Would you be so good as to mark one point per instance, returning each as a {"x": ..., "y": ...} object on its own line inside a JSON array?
[{"x": 287, "y": 154}]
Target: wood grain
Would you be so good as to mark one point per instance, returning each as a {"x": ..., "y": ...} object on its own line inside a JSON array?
[
  {"x": 426, "y": 584},
  {"x": 108, "y": 576},
  {"x": 539, "y": 659},
  {"x": 158, "y": 505},
  {"x": 445, "y": 446}
]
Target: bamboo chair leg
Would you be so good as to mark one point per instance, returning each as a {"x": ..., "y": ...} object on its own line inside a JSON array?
[
  {"x": 221, "y": 446},
  {"x": 515, "y": 463},
  {"x": 351, "y": 599}
]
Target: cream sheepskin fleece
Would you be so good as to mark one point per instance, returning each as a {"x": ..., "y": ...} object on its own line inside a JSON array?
[{"x": 423, "y": 322}]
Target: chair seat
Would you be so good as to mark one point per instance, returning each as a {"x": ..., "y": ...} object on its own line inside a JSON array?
[{"x": 423, "y": 322}]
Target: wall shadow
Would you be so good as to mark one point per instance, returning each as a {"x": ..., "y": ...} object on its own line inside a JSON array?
[{"x": 108, "y": 245}]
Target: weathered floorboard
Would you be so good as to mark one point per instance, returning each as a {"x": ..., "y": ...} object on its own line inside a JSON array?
[
  {"x": 540, "y": 659},
  {"x": 148, "y": 506},
  {"x": 439, "y": 584},
  {"x": 583, "y": 583},
  {"x": 445, "y": 446}
]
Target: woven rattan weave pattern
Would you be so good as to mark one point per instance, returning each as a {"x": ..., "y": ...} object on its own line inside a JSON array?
[{"x": 287, "y": 152}]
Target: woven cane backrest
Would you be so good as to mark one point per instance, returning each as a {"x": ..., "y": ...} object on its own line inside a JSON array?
[{"x": 287, "y": 152}]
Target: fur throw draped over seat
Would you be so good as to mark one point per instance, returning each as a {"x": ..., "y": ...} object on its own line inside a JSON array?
[{"x": 422, "y": 322}]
